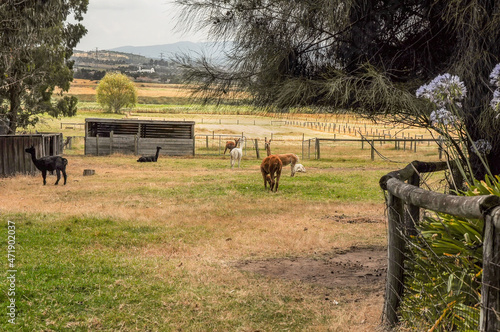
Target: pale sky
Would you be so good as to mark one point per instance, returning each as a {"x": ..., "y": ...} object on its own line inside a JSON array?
[{"x": 115, "y": 23}]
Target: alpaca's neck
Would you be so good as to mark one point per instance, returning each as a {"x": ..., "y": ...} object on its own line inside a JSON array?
[
  {"x": 33, "y": 157},
  {"x": 157, "y": 153},
  {"x": 268, "y": 149}
]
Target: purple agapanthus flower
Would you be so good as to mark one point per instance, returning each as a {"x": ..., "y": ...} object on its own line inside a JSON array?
[
  {"x": 495, "y": 76},
  {"x": 442, "y": 116},
  {"x": 495, "y": 102},
  {"x": 443, "y": 90},
  {"x": 482, "y": 147}
]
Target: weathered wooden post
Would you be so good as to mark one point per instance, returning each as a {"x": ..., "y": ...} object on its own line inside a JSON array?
[
  {"x": 97, "y": 144},
  {"x": 396, "y": 249},
  {"x": 372, "y": 150},
  {"x": 257, "y": 148},
  {"x": 136, "y": 145},
  {"x": 309, "y": 150},
  {"x": 111, "y": 133},
  {"x": 318, "y": 155},
  {"x": 490, "y": 290}
]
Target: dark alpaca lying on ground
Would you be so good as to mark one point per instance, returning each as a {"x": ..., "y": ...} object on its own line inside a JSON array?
[
  {"x": 50, "y": 163},
  {"x": 146, "y": 159}
]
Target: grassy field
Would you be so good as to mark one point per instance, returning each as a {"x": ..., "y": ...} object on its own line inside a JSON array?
[
  {"x": 166, "y": 246},
  {"x": 152, "y": 246}
]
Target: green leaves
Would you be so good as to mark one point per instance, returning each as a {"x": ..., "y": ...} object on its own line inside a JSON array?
[
  {"x": 35, "y": 57},
  {"x": 116, "y": 91}
]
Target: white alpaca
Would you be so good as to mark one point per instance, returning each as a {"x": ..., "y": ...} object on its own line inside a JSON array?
[
  {"x": 299, "y": 168},
  {"x": 237, "y": 152}
]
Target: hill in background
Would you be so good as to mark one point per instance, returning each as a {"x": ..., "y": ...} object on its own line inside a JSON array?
[{"x": 169, "y": 51}]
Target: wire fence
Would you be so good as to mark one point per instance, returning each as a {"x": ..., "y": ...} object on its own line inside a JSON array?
[{"x": 443, "y": 266}]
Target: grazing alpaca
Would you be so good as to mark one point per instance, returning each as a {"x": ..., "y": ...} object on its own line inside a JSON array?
[
  {"x": 271, "y": 171},
  {"x": 237, "y": 152},
  {"x": 231, "y": 145},
  {"x": 147, "y": 159},
  {"x": 286, "y": 159},
  {"x": 50, "y": 163}
]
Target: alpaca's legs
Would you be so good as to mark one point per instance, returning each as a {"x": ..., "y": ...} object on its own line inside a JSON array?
[
  {"x": 44, "y": 175},
  {"x": 293, "y": 169},
  {"x": 64, "y": 175},
  {"x": 58, "y": 172},
  {"x": 278, "y": 174}
]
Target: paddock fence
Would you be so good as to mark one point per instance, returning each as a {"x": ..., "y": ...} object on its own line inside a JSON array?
[
  {"x": 317, "y": 148},
  {"x": 14, "y": 160},
  {"x": 406, "y": 204}
]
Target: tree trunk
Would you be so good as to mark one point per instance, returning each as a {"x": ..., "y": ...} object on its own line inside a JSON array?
[{"x": 15, "y": 106}]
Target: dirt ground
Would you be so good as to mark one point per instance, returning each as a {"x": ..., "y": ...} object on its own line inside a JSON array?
[{"x": 352, "y": 267}]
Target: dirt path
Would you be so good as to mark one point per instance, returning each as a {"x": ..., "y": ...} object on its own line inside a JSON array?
[{"x": 342, "y": 268}]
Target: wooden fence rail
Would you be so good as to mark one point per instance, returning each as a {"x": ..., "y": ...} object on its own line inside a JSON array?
[{"x": 406, "y": 197}]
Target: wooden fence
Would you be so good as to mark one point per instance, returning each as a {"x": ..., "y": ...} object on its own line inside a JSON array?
[
  {"x": 14, "y": 160},
  {"x": 404, "y": 202},
  {"x": 312, "y": 148}
]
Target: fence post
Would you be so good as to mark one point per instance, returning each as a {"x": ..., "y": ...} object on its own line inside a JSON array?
[
  {"x": 136, "y": 145},
  {"x": 396, "y": 247},
  {"x": 372, "y": 150},
  {"x": 257, "y": 148},
  {"x": 111, "y": 133},
  {"x": 309, "y": 150},
  {"x": 97, "y": 144},
  {"x": 490, "y": 290},
  {"x": 317, "y": 149}
]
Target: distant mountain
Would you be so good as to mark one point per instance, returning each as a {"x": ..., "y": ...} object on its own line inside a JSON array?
[{"x": 165, "y": 51}]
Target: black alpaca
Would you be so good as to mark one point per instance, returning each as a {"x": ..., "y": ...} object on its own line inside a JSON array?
[
  {"x": 146, "y": 159},
  {"x": 50, "y": 163}
]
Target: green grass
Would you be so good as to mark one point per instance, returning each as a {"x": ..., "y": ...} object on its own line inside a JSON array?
[{"x": 89, "y": 274}]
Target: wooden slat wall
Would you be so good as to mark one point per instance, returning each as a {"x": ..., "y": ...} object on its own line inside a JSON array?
[
  {"x": 139, "y": 137},
  {"x": 14, "y": 160},
  {"x": 145, "y": 146}
]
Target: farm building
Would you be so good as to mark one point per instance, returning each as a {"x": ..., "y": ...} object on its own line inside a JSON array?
[
  {"x": 14, "y": 160},
  {"x": 140, "y": 137}
]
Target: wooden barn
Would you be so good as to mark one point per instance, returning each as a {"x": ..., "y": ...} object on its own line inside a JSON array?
[
  {"x": 14, "y": 160},
  {"x": 139, "y": 137}
]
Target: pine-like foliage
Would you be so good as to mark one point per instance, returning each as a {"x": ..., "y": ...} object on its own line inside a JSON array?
[{"x": 366, "y": 56}]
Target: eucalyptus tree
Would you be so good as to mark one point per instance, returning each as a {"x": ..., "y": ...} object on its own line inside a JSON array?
[
  {"x": 35, "y": 48},
  {"x": 368, "y": 56}
]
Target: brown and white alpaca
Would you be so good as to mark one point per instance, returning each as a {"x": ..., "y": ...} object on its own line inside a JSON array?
[
  {"x": 271, "y": 168},
  {"x": 286, "y": 159},
  {"x": 231, "y": 145}
]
